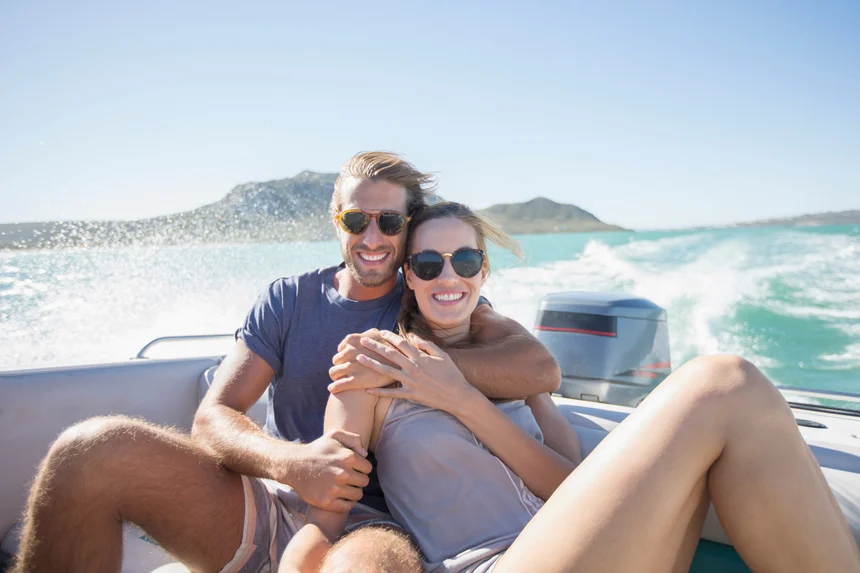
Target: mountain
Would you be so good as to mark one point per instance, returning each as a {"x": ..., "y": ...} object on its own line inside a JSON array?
[
  {"x": 813, "y": 220},
  {"x": 542, "y": 215},
  {"x": 291, "y": 209},
  {"x": 288, "y": 209}
]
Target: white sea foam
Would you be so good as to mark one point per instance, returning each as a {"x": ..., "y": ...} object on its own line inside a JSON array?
[{"x": 849, "y": 358}]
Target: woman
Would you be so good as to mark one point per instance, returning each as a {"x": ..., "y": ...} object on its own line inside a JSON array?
[{"x": 715, "y": 430}]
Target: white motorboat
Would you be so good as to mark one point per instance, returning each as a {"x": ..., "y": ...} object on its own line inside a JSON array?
[{"x": 37, "y": 404}]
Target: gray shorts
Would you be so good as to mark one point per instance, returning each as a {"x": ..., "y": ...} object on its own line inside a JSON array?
[
  {"x": 479, "y": 560},
  {"x": 274, "y": 512},
  {"x": 485, "y": 566}
]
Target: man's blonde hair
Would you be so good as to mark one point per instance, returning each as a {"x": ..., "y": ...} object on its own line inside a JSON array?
[{"x": 385, "y": 166}]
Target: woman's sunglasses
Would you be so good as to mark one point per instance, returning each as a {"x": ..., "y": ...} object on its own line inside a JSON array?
[
  {"x": 427, "y": 265},
  {"x": 356, "y": 221}
]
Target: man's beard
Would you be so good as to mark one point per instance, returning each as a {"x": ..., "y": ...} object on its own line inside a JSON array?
[{"x": 374, "y": 278}]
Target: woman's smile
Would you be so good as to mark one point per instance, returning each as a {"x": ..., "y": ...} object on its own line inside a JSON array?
[{"x": 448, "y": 297}]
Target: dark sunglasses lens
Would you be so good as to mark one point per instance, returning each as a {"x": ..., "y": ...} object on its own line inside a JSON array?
[
  {"x": 354, "y": 222},
  {"x": 427, "y": 266},
  {"x": 391, "y": 223},
  {"x": 467, "y": 263}
]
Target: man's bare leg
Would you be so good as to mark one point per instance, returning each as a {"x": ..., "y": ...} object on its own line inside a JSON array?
[{"x": 104, "y": 471}]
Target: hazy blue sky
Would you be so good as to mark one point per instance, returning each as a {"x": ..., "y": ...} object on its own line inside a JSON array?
[{"x": 648, "y": 114}]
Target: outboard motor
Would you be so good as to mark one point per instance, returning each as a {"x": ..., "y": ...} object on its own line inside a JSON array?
[{"x": 611, "y": 348}]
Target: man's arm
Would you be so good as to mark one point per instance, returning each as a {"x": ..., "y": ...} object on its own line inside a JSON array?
[
  {"x": 324, "y": 472},
  {"x": 506, "y": 361},
  {"x": 558, "y": 434},
  {"x": 222, "y": 428}
]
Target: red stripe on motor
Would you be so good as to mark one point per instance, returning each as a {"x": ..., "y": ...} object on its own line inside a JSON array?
[
  {"x": 657, "y": 365},
  {"x": 576, "y": 330},
  {"x": 645, "y": 374}
]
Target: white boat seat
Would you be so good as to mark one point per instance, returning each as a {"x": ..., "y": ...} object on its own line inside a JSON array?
[
  {"x": 172, "y": 568},
  {"x": 139, "y": 554}
]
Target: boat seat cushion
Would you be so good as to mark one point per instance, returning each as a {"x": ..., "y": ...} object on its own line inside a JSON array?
[
  {"x": 172, "y": 568},
  {"x": 140, "y": 553}
]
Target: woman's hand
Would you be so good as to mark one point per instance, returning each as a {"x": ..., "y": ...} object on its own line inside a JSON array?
[
  {"x": 347, "y": 373},
  {"x": 427, "y": 374}
]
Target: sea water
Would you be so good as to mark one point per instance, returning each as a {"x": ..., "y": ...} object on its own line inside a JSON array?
[{"x": 788, "y": 299}]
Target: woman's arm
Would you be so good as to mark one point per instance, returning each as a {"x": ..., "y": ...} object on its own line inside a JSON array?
[
  {"x": 541, "y": 469},
  {"x": 558, "y": 434},
  {"x": 306, "y": 551},
  {"x": 351, "y": 411},
  {"x": 431, "y": 378}
]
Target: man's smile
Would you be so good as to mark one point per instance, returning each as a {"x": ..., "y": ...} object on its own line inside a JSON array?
[{"x": 372, "y": 257}]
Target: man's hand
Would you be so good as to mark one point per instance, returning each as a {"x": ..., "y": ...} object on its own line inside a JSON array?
[
  {"x": 348, "y": 374},
  {"x": 331, "y": 471}
]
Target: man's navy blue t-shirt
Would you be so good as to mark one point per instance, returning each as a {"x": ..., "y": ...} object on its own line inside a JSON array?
[{"x": 296, "y": 325}]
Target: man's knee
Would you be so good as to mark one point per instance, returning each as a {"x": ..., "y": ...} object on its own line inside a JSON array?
[
  {"x": 372, "y": 549},
  {"x": 88, "y": 437},
  {"x": 88, "y": 446}
]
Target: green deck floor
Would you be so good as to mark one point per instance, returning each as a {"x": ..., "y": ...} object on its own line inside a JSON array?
[{"x": 717, "y": 558}]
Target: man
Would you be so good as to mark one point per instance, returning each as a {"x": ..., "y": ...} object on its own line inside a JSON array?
[{"x": 231, "y": 498}]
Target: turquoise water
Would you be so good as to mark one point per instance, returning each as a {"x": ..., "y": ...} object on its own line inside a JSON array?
[{"x": 787, "y": 299}]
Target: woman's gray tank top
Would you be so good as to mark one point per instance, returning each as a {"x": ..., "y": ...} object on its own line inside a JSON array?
[{"x": 460, "y": 503}]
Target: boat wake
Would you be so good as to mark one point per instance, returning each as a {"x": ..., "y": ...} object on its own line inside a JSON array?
[{"x": 788, "y": 301}]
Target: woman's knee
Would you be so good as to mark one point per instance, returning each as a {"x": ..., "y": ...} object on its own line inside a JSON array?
[{"x": 727, "y": 378}]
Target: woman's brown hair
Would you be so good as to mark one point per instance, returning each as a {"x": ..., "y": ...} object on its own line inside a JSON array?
[{"x": 410, "y": 319}]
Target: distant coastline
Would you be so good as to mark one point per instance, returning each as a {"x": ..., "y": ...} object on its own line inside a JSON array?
[
  {"x": 282, "y": 210},
  {"x": 296, "y": 209},
  {"x": 811, "y": 220}
]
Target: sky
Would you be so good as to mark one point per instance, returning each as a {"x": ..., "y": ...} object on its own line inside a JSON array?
[{"x": 648, "y": 114}]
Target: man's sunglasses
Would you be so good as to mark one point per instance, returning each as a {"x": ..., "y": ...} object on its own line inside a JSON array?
[
  {"x": 427, "y": 265},
  {"x": 356, "y": 221}
]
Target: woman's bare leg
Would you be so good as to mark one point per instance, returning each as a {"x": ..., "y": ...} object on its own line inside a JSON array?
[
  {"x": 717, "y": 427},
  {"x": 690, "y": 531}
]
